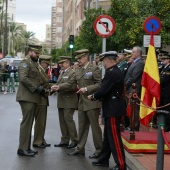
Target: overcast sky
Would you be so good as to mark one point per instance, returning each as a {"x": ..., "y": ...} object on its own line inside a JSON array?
[{"x": 35, "y": 14}]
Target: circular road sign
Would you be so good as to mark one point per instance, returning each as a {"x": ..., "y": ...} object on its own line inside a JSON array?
[
  {"x": 152, "y": 24},
  {"x": 104, "y": 26}
]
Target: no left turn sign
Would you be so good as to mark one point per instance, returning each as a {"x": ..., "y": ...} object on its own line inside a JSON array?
[{"x": 104, "y": 26}]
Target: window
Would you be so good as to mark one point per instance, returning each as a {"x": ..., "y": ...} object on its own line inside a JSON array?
[
  {"x": 59, "y": 9},
  {"x": 59, "y": 19},
  {"x": 59, "y": 29}
]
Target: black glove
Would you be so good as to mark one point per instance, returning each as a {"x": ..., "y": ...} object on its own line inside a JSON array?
[
  {"x": 40, "y": 90},
  {"x": 52, "y": 81},
  {"x": 52, "y": 92}
]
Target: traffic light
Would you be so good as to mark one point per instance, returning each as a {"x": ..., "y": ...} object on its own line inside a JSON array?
[{"x": 71, "y": 41}]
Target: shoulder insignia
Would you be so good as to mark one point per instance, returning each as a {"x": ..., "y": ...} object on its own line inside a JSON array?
[{"x": 24, "y": 65}]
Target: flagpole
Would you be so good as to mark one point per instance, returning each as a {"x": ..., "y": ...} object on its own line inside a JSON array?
[{"x": 161, "y": 123}]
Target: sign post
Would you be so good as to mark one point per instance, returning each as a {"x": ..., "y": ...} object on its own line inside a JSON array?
[
  {"x": 152, "y": 25},
  {"x": 104, "y": 26}
]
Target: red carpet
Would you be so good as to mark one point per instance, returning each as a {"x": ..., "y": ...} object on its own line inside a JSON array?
[{"x": 145, "y": 142}]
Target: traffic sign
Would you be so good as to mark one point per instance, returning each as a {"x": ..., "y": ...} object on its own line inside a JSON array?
[
  {"x": 104, "y": 26},
  {"x": 152, "y": 24},
  {"x": 157, "y": 40}
]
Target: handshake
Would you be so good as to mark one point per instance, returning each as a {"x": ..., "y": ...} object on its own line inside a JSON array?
[
  {"x": 55, "y": 88},
  {"x": 42, "y": 91}
]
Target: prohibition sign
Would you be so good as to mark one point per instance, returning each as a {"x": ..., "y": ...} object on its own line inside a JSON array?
[
  {"x": 152, "y": 25},
  {"x": 104, "y": 26}
]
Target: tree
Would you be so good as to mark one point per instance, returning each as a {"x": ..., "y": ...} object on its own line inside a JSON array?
[
  {"x": 27, "y": 38},
  {"x": 129, "y": 20},
  {"x": 87, "y": 38},
  {"x": 15, "y": 36},
  {"x": 129, "y": 16},
  {"x": 5, "y": 28},
  {"x": 2, "y": 17}
]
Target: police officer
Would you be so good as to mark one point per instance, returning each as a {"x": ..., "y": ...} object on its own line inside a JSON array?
[
  {"x": 88, "y": 78},
  {"x": 28, "y": 95},
  {"x": 41, "y": 111},
  {"x": 67, "y": 102},
  {"x": 165, "y": 87},
  {"x": 114, "y": 108}
]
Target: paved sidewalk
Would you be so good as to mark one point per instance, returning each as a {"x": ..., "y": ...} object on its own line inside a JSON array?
[{"x": 145, "y": 161}]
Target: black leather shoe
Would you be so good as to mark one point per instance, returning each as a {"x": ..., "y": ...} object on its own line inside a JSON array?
[
  {"x": 47, "y": 145},
  {"x": 115, "y": 168},
  {"x": 95, "y": 155},
  {"x": 39, "y": 146},
  {"x": 76, "y": 152},
  {"x": 72, "y": 145},
  {"x": 31, "y": 151},
  {"x": 24, "y": 153},
  {"x": 61, "y": 145},
  {"x": 101, "y": 163}
]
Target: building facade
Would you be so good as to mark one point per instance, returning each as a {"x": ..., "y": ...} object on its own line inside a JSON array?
[
  {"x": 59, "y": 12},
  {"x": 56, "y": 25},
  {"x": 11, "y": 9},
  {"x": 53, "y": 26},
  {"x": 73, "y": 15}
]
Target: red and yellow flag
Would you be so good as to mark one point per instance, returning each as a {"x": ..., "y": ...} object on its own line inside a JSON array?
[{"x": 150, "y": 94}]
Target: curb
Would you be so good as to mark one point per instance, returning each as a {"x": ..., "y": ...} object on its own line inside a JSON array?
[{"x": 132, "y": 163}]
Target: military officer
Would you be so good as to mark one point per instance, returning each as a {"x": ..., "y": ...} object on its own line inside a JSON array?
[
  {"x": 122, "y": 63},
  {"x": 41, "y": 111},
  {"x": 88, "y": 79},
  {"x": 28, "y": 95},
  {"x": 113, "y": 106},
  {"x": 98, "y": 62},
  {"x": 67, "y": 102},
  {"x": 165, "y": 87}
]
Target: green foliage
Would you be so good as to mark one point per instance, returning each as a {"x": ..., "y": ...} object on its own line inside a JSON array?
[
  {"x": 129, "y": 16},
  {"x": 88, "y": 38},
  {"x": 56, "y": 53}
]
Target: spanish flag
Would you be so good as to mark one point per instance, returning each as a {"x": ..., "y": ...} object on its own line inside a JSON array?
[{"x": 150, "y": 94}]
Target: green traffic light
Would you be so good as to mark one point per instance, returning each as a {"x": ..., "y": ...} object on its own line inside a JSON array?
[{"x": 71, "y": 46}]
